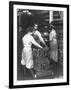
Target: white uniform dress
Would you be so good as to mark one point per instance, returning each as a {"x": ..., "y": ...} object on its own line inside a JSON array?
[
  {"x": 27, "y": 57},
  {"x": 53, "y": 46}
]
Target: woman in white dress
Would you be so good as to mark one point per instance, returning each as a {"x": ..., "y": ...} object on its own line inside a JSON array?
[
  {"x": 27, "y": 57},
  {"x": 53, "y": 44}
]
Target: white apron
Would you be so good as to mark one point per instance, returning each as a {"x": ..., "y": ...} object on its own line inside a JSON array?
[
  {"x": 53, "y": 46},
  {"x": 27, "y": 58}
]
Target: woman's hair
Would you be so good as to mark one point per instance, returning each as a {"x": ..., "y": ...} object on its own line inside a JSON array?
[{"x": 50, "y": 27}]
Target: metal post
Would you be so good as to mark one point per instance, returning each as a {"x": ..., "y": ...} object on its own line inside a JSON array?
[{"x": 50, "y": 16}]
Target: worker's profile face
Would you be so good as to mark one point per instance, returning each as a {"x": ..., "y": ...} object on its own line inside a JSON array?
[{"x": 35, "y": 26}]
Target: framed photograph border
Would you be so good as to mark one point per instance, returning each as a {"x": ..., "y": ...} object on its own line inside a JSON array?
[{"x": 11, "y": 4}]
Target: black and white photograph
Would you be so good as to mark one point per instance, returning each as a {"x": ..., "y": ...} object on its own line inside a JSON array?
[{"x": 39, "y": 44}]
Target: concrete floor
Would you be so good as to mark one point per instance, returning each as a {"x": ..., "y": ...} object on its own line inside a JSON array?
[{"x": 57, "y": 69}]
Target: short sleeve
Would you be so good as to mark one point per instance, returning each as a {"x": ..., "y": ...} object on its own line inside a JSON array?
[{"x": 37, "y": 33}]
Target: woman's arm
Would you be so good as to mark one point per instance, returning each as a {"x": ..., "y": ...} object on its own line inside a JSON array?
[
  {"x": 35, "y": 43},
  {"x": 40, "y": 37}
]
